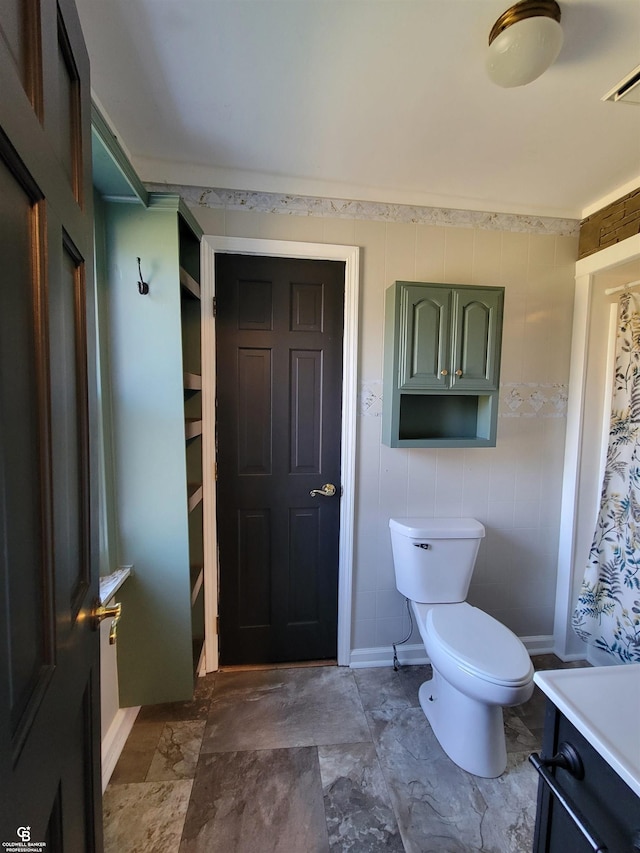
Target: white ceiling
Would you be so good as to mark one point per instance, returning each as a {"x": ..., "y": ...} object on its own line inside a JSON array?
[{"x": 377, "y": 100}]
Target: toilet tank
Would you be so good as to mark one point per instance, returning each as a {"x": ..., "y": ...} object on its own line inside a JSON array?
[{"x": 434, "y": 557}]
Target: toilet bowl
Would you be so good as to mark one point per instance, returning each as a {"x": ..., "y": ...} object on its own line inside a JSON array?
[{"x": 479, "y": 665}]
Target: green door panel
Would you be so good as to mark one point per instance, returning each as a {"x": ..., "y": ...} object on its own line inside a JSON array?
[
  {"x": 476, "y": 339},
  {"x": 424, "y": 337}
]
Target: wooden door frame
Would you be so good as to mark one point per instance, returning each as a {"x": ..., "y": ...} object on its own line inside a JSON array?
[{"x": 350, "y": 255}]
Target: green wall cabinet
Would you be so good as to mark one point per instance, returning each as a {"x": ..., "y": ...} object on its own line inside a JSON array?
[
  {"x": 441, "y": 365},
  {"x": 154, "y": 344}
]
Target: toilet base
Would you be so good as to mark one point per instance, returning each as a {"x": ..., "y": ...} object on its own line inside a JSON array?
[{"x": 469, "y": 731}]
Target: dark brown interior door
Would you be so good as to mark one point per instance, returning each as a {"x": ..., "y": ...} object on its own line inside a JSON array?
[
  {"x": 49, "y": 674},
  {"x": 279, "y": 331}
]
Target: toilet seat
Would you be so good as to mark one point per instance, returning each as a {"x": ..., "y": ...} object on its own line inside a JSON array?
[{"x": 479, "y": 644}]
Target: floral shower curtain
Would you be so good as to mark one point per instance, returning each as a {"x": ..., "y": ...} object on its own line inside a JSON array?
[{"x": 607, "y": 614}]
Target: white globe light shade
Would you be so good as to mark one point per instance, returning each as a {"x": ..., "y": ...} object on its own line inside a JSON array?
[{"x": 523, "y": 51}]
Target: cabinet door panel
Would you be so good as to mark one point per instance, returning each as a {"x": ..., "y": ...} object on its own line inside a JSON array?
[
  {"x": 424, "y": 337},
  {"x": 476, "y": 351}
]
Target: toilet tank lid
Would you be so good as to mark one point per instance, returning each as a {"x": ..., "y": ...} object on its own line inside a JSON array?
[{"x": 438, "y": 528}]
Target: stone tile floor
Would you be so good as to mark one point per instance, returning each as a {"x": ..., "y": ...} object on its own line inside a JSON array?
[{"x": 315, "y": 759}]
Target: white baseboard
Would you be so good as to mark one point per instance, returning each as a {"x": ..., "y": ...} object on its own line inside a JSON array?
[
  {"x": 383, "y": 656},
  {"x": 539, "y": 645},
  {"x": 414, "y": 655},
  {"x": 115, "y": 739}
]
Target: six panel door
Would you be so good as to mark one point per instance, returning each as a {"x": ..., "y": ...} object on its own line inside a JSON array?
[
  {"x": 279, "y": 331},
  {"x": 49, "y": 654}
]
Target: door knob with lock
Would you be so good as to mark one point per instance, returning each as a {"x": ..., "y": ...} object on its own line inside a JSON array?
[
  {"x": 113, "y": 612},
  {"x": 328, "y": 490}
]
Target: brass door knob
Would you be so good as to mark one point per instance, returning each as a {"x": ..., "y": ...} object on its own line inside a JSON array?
[
  {"x": 458, "y": 372},
  {"x": 444, "y": 373},
  {"x": 114, "y": 612},
  {"x": 328, "y": 490}
]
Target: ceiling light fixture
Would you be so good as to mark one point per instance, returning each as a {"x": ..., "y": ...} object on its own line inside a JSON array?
[{"x": 524, "y": 42}]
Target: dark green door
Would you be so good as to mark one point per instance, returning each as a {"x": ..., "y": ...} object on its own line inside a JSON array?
[
  {"x": 279, "y": 332},
  {"x": 49, "y": 674}
]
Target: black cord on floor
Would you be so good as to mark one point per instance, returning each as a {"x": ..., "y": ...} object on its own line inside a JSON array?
[{"x": 400, "y": 642}]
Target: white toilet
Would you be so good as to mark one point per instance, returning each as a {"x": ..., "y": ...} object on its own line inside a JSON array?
[{"x": 478, "y": 664}]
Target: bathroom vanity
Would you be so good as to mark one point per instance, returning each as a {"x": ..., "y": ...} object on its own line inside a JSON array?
[{"x": 589, "y": 784}]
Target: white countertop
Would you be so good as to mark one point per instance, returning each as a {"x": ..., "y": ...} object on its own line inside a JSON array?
[{"x": 603, "y": 703}]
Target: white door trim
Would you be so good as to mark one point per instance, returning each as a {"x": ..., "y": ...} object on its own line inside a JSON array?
[
  {"x": 279, "y": 248},
  {"x": 574, "y": 493}
]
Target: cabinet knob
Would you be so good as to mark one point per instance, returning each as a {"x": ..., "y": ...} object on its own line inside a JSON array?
[
  {"x": 444, "y": 373},
  {"x": 458, "y": 372}
]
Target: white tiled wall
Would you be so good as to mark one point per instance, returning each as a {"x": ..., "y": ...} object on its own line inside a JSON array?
[{"x": 514, "y": 488}]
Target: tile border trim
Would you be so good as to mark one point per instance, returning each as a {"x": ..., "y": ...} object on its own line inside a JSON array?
[
  {"x": 516, "y": 399},
  {"x": 219, "y": 198}
]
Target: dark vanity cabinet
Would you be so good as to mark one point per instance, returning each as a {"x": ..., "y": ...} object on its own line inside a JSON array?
[
  {"x": 583, "y": 804},
  {"x": 441, "y": 365}
]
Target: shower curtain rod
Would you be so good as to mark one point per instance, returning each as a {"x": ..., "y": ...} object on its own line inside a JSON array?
[{"x": 611, "y": 290}]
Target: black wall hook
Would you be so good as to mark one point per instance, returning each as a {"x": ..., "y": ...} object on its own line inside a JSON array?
[{"x": 143, "y": 287}]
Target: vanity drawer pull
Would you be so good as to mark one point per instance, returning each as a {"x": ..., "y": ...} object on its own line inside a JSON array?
[
  {"x": 566, "y": 802},
  {"x": 568, "y": 758}
]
